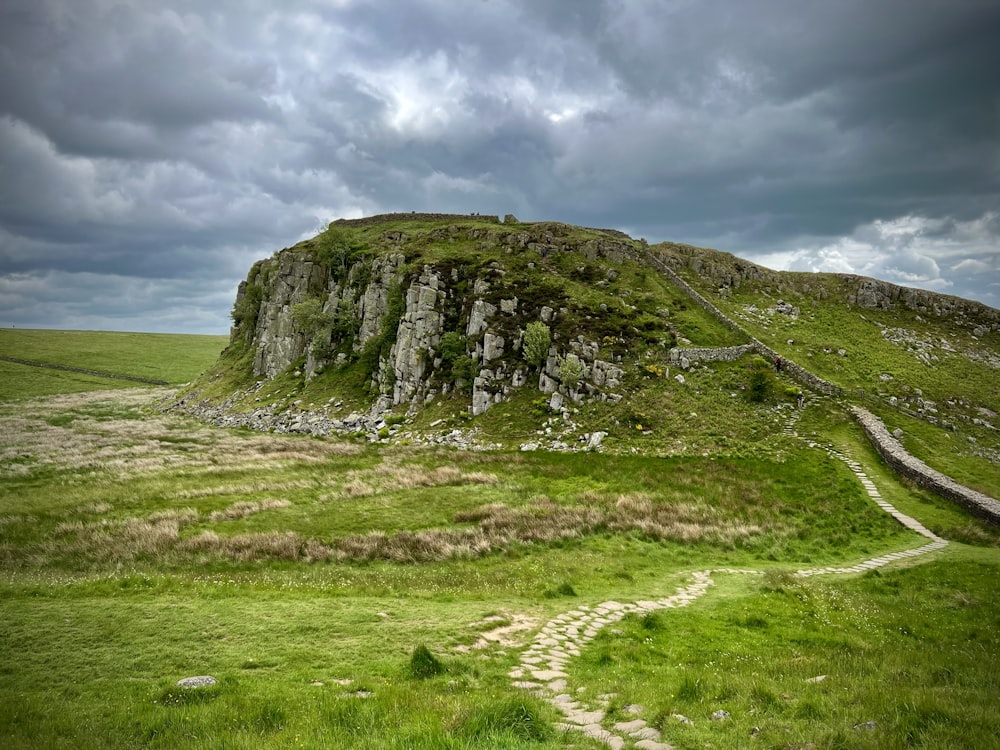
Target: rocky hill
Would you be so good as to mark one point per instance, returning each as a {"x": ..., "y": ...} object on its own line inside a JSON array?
[
  {"x": 417, "y": 306},
  {"x": 409, "y": 325}
]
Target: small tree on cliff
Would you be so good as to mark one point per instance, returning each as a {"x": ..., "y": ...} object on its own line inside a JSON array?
[
  {"x": 537, "y": 339},
  {"x": 571, "y": 371}
]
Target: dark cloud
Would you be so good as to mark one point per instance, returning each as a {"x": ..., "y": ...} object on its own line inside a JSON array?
[{"x": 154, "y": 147}]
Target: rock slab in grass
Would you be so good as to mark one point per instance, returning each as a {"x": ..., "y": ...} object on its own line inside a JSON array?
[{"x": 197, "y": 682}]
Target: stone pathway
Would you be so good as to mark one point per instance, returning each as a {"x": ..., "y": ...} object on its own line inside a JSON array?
[{"x": 542, "y": 667}]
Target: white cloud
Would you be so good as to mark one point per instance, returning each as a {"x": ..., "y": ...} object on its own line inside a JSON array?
[
  {"x": 167, "y": 141},
  {"x": 909, "y": 250}
]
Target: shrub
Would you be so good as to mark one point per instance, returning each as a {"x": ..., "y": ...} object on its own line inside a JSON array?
[
  {"x": 762, "y": 381},
  {"x": 571, "y": 371},
  {"x": 245, "y": 310},
  {"x": 452, "y": 346},
  {"x": 308, "y": 316},
  {"x": 336, "y": 248},
  {"x": 537, "y": 339},
  {"x": 424, "y": 664},
  {"x": 464, "y": 371}
]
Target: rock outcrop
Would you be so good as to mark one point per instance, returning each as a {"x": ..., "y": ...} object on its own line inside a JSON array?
[{"x": 326, "y": 303}]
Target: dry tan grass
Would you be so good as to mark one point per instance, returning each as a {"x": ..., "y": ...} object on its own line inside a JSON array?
[
  {"x": 126, "y": 447},
  {"x": 243, "y": 489},
  {"x": 393, "y": 477},
  {"x": 114, "y": 541},
  {"x": 500, "y": 527},
  {"x": 183, "y": 516},
  {"x": 358, "y": 488},
  {"x": 267, "y": 545},
  {"x": 414, "y": 547},
  {"x": 244, "y": 508}
]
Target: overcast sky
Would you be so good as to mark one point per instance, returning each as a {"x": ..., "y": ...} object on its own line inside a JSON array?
[{"x": 151, "y": 151}]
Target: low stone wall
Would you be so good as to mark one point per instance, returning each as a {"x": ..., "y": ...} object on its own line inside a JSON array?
[
  {"x": 794, "y": 371},
  {"x": 705, "y": 354},
  {"x": 368, "y": 221},
  {"x": 797, "y": 372},
  {"x": 914, "y": 469},
  {"x": 95, "y": 373}
]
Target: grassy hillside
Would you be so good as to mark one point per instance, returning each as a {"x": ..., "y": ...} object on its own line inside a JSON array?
[
  {"x": 937, "y": 378},
  {"x": 175, "y": 358},
  {"x": 303, "y": 573}
]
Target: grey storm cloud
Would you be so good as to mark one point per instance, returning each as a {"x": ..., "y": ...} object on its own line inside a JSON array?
[{"x": 149, "y": 152}]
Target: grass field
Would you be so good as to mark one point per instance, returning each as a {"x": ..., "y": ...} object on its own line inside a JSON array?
[
  {"x": 138, "y": 548},
  {"x": 175, "y": 358}
]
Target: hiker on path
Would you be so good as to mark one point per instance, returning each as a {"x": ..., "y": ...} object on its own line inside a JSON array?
[
  {"x": 777, "y": 364},
  {"x": 801, "y": 399}
]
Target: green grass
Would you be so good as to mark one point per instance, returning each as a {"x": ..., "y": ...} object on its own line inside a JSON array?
[
  {"x": 22, "y": 381},
  {"x": 163, "y": 490},
  {"x": 105, "y": 608},
  {"x": 912, "y": 650},
  {"x": 175, "y": 358},
  {"x": 138, "y": 548}
]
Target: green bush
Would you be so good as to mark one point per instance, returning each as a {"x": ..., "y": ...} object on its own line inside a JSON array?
[
  {"x": 308, "y": 316},
  {"x": 245, "y": 311},
  {"x": 762, "y": 381},
  {"x": 424, "y": 664},
  {"x": 463, "y": 370},
  {"x": 336, "y": 248},
  {"x": 571, "y": 371},
  {"x": 453, "y": 346},
  {"x": 537, "y": 339}
]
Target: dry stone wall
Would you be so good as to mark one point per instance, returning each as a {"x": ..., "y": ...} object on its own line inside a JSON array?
[
  {"x": 887, "y": 446},
  {"x": 685, "y": 356},
  {"x": 914, "y": 469},
  {"x": 793, "y": 370},
  {"x": 96, "y": 373},
  {"x": 369, "y": 221}
]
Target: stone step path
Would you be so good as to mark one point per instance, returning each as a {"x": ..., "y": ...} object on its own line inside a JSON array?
[{"x": 542, "y": 667}]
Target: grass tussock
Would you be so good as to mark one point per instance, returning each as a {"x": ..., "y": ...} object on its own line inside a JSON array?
[
  {"x": 245, "y": 508},
  {"x": 514, "y": 719},
  {"x": 268, "y": 545},
  {"x": 395, "y": 478},
  {"x": 114, "y": 541},
  {"x": 500, "y": 527},
  {"x": 246, "y": 488},
  {"x": 183, "y": 516}
]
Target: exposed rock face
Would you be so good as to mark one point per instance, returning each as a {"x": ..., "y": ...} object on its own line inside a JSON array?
[
  {"x": 277, "y": 342},
  {"x": 434, "y": 308},
  {"x": 397, "y": 315},
  {"x": 418, "y": 334},
  {"x": 374, "y": 303},
  {"x": 881, "y": 295}
]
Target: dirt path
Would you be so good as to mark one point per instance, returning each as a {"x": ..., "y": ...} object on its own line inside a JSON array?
[{"x": 542, "y": 668}]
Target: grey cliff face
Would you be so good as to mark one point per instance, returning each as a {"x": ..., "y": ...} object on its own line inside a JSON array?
[{"x": 358, "y": 307}]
